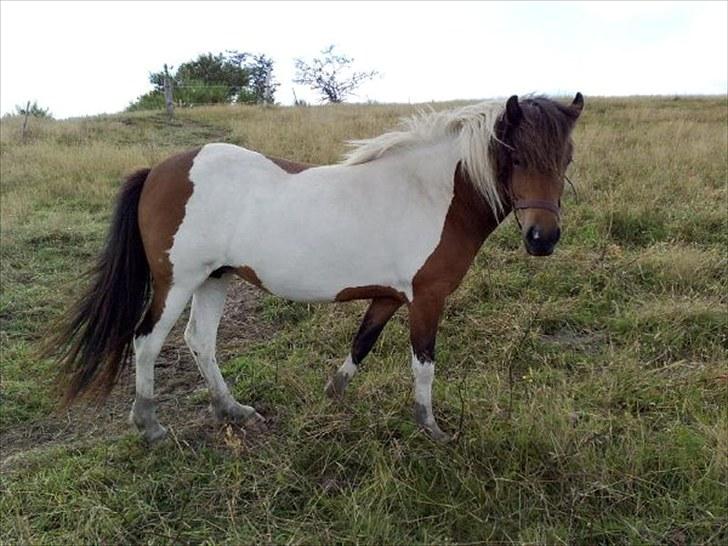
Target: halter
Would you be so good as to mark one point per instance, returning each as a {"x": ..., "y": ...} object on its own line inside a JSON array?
[
  {"x": 538, "y": 204},
  {"x": 519, "y": 204}
]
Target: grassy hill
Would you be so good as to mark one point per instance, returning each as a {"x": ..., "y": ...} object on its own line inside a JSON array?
[{"x": 590, "y": 389}]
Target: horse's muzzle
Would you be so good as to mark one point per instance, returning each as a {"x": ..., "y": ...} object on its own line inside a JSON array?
[{"x": 541, "y": 243}]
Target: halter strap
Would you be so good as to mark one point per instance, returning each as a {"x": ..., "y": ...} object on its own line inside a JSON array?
[{"x": 537, "y": 204}]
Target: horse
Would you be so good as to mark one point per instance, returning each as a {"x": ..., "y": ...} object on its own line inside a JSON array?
[{"x": 399, "y": 222}]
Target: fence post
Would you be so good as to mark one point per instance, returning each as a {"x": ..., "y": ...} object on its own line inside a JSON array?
[
  {"x": 168, "y": 95},
  {"x": 267, "y": 95},
  {"x": 25, "y": 121}
]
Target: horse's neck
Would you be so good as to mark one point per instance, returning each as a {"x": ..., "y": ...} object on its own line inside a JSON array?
[{"x": 474, "y": 215}]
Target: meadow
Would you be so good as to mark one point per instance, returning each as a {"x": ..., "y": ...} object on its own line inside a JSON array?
[{"x": 589, "y": 390}]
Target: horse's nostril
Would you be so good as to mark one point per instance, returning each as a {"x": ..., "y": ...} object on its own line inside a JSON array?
[
  {"x": 534, "y": 234},
  {"x": 540, "y": 242}
]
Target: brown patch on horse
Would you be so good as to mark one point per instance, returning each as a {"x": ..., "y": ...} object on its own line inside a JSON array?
[
  {"x": 245, "y": 272},
  {"x": 369, "y": 292},
  {"x": 468, "y": 222},
  {"x": 291, "y": 167},
  {"x": 249, "y": 274},
  {"x": 161, "y": 210}
]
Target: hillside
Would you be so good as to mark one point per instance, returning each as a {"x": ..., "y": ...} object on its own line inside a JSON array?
[{"x": 589, "y": 389}]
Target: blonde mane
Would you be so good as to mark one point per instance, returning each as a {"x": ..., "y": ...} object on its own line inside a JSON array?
[{"x": 472, "y": 128}]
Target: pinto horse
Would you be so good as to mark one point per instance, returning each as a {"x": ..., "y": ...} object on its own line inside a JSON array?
[{"x": 398, "y": 222}]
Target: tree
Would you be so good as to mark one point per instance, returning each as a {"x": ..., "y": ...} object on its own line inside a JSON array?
[
  {"x": 33, "y": 109},
  {"x": 222, "y": 78},
  {"x": 331, "y": 75},
  {"x": 224, "y": 70},
  {"x": 261, "y": 79}
]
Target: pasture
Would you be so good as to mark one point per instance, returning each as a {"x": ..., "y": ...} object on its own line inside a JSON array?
[{"x": 589, "y": 390}]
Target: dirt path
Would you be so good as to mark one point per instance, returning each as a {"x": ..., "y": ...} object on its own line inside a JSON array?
[{"x": 177, "y": 381}]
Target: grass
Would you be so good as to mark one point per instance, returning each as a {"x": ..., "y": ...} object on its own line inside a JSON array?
[{"x": 591, "y": 386}]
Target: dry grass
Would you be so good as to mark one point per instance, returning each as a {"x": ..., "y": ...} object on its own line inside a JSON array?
[{"x": 592, "y": 385}]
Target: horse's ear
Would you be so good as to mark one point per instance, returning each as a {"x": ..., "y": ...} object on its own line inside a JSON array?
[
  {"x": 513, "y": 111},
  {"x": 577, "y": 105}
]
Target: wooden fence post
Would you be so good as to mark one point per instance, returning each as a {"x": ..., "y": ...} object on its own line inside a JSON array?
[
  {"x": 267, "y": 93},
  {"x": 25, "y": 121},
  {"x": 168, "y": 94}
]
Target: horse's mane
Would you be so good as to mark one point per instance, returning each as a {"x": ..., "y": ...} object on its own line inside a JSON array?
[{"x": 472, "y": 127}]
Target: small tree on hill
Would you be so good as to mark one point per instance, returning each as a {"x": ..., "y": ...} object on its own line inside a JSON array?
[
  {"x": 33, "y": 109},
  {"x": 331, "y": 75}
]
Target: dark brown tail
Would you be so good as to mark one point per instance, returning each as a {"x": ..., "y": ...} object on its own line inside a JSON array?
[{"x": 94, "y": 344}]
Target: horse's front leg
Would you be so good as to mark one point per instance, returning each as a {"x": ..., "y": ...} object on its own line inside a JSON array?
[
  {"x": 425, "y": 313},
  {"x": 376, "y": 317}
]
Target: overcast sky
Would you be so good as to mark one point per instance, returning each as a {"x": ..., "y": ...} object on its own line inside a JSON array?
[{"x": 84, "y": 58}]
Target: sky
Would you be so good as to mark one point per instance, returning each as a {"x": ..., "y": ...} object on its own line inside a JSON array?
[{"x": 86, "y": 58}]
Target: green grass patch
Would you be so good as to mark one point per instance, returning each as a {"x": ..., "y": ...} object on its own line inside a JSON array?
[{"x": 588, "y": 389}]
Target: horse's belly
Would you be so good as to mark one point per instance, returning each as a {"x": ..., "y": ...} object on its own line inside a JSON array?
[{"x": 303, "y": 267}]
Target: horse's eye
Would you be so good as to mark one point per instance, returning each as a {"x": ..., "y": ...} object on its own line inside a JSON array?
[{"x": 516, "y": 162}]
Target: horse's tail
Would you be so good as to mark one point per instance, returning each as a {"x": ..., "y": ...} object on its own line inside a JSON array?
[{"x": 94, "y": 343}]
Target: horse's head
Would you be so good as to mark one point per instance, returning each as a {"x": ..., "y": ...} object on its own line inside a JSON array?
[{"x": 534, "y": 152}]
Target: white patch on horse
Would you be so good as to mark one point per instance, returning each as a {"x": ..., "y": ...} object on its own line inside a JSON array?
[
  {"x": 311, "y": 235},
  {"x": 348, "y": 368},
  {"x": 424, "y": 375},
  {"x": 338, "y": 382}
]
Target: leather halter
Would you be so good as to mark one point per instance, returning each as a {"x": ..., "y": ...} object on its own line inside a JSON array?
[
  {"x": 535, "y": 204},
  {"x": 538, "y": 204}
]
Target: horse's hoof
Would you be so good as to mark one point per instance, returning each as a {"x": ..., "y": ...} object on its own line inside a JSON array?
[
  {"x": 155, "y": 434},
  {"x": 255, "y": 422},
  {"x": 424, "y": 418},
  {"x": 144, "y": 417},
  {"x": 438, "y": 435},
  {"x": 336, "y": 386},
  {"x": 234, "y": 412}
]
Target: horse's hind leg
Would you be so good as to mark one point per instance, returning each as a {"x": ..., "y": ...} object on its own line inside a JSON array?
[
  {"x": 376, "y": 317},
  {"x": 201, "y": 335},
  {"x": 166, "y": 306}
]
